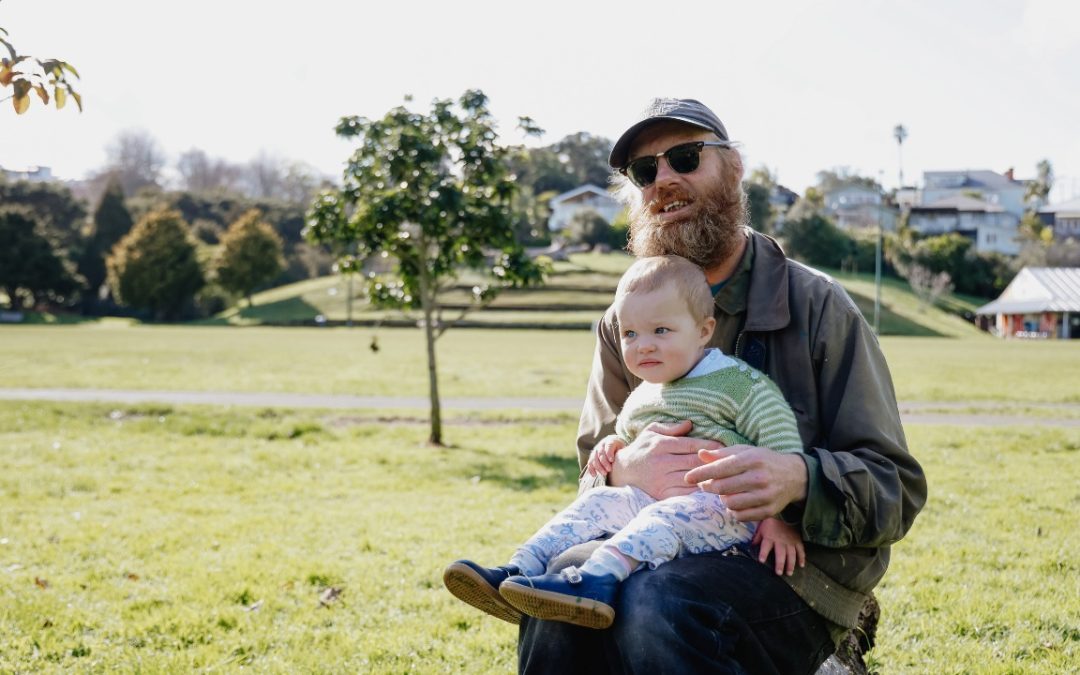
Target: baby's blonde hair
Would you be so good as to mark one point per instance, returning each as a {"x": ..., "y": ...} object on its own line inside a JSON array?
[{"x": 654, "y": 273}]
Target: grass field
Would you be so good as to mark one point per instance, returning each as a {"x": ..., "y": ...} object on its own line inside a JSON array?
[
  {"x": 472, "y": 362},
  {"x": 160, "y": 539}
]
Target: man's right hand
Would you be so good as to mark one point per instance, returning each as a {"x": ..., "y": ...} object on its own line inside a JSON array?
[{"x": 658, "y": 459}]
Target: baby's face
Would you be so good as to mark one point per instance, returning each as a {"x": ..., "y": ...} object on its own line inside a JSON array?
[{"x": 660, "y": 340}]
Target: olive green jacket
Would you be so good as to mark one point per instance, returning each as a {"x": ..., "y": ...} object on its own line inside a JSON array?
[{"x": 864, "y": 488}]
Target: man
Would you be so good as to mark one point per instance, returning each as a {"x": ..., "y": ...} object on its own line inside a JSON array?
[{"x": 853, "y": 493}]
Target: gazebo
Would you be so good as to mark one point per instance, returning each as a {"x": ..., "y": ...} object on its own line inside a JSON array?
[{"x": 1041, "y": 302}]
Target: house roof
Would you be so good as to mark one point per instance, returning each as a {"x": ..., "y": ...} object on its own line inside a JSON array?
[
  {"x": 959, "y": 203},
  {"x": 588, "y": 188},
  {"x": 1073, "y": 205},
  {"x": 1039, "y": 289},
  {"x": 968, "y": 179}
]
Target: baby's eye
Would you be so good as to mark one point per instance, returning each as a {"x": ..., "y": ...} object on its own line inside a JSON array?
[
  {"x": 629, "y": 334},
  {"x": 661, "y": 330}
]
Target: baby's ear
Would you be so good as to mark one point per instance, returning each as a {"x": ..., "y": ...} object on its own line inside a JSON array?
[{"x": 707, "y": 328}]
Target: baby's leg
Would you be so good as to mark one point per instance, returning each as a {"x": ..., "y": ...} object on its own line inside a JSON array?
[
  {"x": 693, "y": 523},
  {"x": 599, "y": 511}
]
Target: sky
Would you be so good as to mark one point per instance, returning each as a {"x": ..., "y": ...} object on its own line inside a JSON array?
[{"x": 803, "y": 86}]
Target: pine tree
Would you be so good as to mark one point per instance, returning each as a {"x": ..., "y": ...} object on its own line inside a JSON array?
[{"x": 111, "y": 222}]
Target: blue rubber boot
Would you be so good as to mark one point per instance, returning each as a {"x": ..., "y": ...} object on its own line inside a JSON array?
[
  {"x": 569, "y": 596},
  {"x": 479, "y": 587}
]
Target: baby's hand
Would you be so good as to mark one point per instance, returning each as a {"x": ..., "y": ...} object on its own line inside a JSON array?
[
  {"x": 602, "y": 457},
  {"x": 783, "y": 541}
]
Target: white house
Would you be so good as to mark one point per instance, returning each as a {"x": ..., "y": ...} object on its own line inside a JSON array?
[
  {"x": 1064, "y": 218},
  {"x": 990, "y": 226},
  {"x": 586, "y": 197},
  {"x": 859, "y": 206},
  {"x": 1040, "y": 302},
  {"x": 989, "y": 186},
  {"x": 31, "y": 173}
]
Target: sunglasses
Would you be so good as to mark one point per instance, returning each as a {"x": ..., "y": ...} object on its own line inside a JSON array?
[{"x": 683, "y": 158}]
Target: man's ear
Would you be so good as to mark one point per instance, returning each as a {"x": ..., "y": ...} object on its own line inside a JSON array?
[{"x": 707, "y": 328}]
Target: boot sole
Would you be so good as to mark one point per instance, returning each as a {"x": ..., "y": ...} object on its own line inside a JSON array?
[
  {"x": 469, "y": 587},
  {"x": 551, "y": 606}
]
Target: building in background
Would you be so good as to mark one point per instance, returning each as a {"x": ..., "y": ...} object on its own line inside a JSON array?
[
  {"x": 1040, "y": 302},
  {"x": 41, "y": 174},
  {"x": 585, "y": 198},
  {"x": 856, "y": 206},
  {"x": 1063, "y": 218}
]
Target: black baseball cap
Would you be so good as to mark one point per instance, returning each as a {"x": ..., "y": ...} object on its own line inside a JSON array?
[{"x": 685, "y": 110}]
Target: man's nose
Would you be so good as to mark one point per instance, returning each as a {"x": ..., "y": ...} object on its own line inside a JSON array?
[{"x": 665, "y": 175}]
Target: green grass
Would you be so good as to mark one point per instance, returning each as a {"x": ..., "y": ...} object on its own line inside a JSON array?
[
  {"x": 161, "y": 539},
  {"x": 472, "y": 362}
]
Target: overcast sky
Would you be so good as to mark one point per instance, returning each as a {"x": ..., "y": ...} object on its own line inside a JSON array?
[{"x": 805, "y": 86}]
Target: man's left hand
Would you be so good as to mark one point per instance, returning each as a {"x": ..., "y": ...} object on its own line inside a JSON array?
[{"x": 756, "y": 483}]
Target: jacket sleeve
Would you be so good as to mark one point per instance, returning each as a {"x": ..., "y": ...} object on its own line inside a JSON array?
[
  {"x": 607, "y": 391},
  {"x": 864, "y": 487}
]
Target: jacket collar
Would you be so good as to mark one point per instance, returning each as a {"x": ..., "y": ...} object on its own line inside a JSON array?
[{"x": 767, "y": 300}]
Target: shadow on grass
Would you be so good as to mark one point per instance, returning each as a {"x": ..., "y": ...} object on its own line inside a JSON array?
[
  {"x": 892, "y": 323},
  {"x": 558, "y": 470},
  {"x": 290, "y": 310}
]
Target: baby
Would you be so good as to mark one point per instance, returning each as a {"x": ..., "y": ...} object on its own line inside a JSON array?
[{"x": 664, "y": 309}]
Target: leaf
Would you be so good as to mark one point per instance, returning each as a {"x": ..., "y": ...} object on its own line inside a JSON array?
[
  {"x": 6, "y": 74},
  {"x": 60, "y": 96},
  {"x": 41, "y": 583},
  {"x": 42, "y": 93},
  {"x": 78, "y": 99},
  {"x": 21, "y": 98},
  {"x": 329, "y": 596}
]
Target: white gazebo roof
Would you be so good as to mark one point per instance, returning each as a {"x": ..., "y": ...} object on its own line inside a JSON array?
[{"x": 1039, "y": 289}]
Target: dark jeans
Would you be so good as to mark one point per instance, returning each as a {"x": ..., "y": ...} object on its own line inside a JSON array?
[{"x": 707, "y": 613}]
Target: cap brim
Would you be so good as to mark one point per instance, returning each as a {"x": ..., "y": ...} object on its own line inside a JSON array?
[{"x": 620, "y": 151}]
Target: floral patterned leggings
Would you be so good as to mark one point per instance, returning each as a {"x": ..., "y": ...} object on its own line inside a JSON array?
[{"x": 649, "y": 531}]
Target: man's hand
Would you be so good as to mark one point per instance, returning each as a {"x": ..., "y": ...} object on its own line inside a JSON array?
[
  {"x": 777, "y": 537},
  {"x": 602, "y": 456},
  {"x": 658, "y": 459},
  {"x": 756, "y": 483}
]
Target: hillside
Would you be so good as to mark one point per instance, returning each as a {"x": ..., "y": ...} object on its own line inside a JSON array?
[{"x": 576, "y": 294}]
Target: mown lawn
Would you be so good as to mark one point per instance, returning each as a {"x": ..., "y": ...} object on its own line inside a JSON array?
[
  {"x": 161, "y": 539},
  {"x": 472, "y": 362}
]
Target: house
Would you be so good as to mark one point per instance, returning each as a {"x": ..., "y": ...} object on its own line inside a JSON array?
[
  {"x": 31, "y": 173},
  {"x": 990, "y": 226},
  {"x": 1064, "y": 218},
  {"x": 1041, "y": 302},
  {"x": 587, "y": 197},
  {"x": 856, "y": 206},
  {"x": 989, "y": 186}
]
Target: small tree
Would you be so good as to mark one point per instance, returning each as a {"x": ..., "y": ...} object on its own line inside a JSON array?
[
  {"x": 111, "y": 222},
  {"x": 815, "y": 240},
  {"x": 30, "y": 269},
  {"x": 154, "y": 267},
  {"x": 251, "y": 254},
  {"x": 432, "y": 191},
  {"x": 928, "y": 286}
]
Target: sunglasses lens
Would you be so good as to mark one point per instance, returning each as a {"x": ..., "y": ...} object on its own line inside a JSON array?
[
  {"x": 684, "y": 158},
  {"x": 642, "y": 171}
]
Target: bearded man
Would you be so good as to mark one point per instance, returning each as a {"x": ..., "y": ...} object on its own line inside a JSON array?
[{"x": 854, "y": 491}]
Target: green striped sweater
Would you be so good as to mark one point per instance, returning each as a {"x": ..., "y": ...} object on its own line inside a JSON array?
[{"x": 735, "y": 405}]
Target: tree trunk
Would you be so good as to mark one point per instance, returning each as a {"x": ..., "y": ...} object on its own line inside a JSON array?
[{"x": 427, "y": 301}]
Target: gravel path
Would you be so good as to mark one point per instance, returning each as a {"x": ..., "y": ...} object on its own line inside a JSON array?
[{"x": 971, "y": 413}]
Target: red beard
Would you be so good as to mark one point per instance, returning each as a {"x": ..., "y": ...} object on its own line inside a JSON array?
[{"x": 707, "y": 236}]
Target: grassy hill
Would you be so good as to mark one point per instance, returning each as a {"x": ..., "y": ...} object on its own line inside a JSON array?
[{"x": 576, "y": 294}]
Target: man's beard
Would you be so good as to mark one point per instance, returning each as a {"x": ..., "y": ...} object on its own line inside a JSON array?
[{"x": 707, "y": 237}]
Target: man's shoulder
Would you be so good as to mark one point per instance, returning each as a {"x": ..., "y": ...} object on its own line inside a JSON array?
[{"x": 812, "y": 285}]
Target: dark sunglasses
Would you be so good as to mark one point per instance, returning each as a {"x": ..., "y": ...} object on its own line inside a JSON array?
[{"x": 683, "y": 158}]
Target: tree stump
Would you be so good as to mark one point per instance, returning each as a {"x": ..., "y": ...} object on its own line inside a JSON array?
[{"x": 848, "y": 658}]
